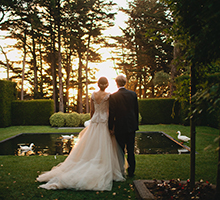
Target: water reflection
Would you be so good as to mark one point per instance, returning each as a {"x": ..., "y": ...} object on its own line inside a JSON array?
[
  {"x": 38, "y": 144},
  {"x": 25, "y": 150},
  {"x": 157, "y": 143},
  {"x": 61, "y": 144}
]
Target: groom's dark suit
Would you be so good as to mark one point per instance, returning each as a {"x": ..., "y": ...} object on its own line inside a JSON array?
[{"x": 123, "y": 119}]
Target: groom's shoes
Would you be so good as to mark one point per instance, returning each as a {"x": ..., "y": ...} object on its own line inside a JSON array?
[{"x": 131, "y": 175}]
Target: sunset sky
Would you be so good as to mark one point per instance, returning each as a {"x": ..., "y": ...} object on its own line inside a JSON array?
[{"x": 105, "y": 68}]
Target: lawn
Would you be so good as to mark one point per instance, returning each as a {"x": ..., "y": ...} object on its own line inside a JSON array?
[{"x": 18, "y": 174}]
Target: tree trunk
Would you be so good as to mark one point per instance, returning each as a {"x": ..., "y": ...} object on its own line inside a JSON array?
[
  {"x": 53, "y": 70},
  {"x": 41, "y": 73},
  {"x": 53, "y": 57},
  {"x": 217, "y": 193},
  {"x": 34, "y": 65},
  {"x": 145, "y": 88},
  {"x": 87, "y": 61},
  {"x": 79, "y": 99},
  {"x": 22, "y": 81},
  {"x": 192, "y": 128},
  {"x": 61, "y": 107},
  {"x": 173, "y": 70},
  {"x": 68, "y": 70}
]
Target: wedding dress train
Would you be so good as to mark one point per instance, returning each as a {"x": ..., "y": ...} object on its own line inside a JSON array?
[{"x": 94, "y": 162}]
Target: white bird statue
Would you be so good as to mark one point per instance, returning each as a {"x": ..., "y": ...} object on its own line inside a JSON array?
[
  {"x": 183, "y": 138},
  {"x": 27, "y": 148},
  {"x": 67, "y": 137}
]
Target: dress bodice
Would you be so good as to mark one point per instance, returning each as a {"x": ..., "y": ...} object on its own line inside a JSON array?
[{"x": 101, "y": 110}]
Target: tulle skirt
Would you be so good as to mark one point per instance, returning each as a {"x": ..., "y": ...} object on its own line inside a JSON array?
[{"x": 93, "y": 163}]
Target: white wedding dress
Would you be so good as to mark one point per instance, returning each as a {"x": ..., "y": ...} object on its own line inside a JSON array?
[{"x": 94, "y": 162}]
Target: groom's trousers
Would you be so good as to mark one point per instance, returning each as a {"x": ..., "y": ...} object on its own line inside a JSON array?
[{"x": 128, "y": 140}]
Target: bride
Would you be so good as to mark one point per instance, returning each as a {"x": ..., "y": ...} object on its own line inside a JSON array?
[{"x": 96, "y": 160}]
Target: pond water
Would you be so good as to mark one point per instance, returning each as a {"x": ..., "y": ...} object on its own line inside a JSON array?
[
  {"x": 158, "y": 143},
  {"x": 61, "y": 144}
]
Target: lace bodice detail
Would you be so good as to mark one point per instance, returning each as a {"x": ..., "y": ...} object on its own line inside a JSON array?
[{"x": 101, "y": 110}]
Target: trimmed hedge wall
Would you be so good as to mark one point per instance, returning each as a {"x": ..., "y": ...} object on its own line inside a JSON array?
[
  {"x": 152, "y": 111},
  {"x": 32, "y": 112},
  {"x": 8, "y": 93},
  {"x": 159, "y": 111}
]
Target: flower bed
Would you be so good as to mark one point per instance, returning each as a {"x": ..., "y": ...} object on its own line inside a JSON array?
[{"x": 173, "y": 189}]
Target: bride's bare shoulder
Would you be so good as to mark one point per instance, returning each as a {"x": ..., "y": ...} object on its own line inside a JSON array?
[{"x": 99, "y": 95}]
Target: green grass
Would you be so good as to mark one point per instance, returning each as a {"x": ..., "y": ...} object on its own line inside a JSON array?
[{"x": 18, "y": 174}]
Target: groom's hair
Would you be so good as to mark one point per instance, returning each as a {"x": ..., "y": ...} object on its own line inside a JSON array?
[{"x": 121, "y": 80}]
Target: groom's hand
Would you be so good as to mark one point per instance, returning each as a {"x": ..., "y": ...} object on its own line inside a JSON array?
[{"x": 111, "y": 132}]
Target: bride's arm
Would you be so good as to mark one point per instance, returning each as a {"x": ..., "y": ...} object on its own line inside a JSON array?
[{"x": 92, "y": 108}]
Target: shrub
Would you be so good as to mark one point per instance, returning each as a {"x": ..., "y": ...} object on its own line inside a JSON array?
[
  {"x": 57, "y": 119},
  {"x": 72, "y": 119},
  {"x": 83, "y": 118},
  {"x": 32, "y": 112},
  {"x": 183, "y": 96}
]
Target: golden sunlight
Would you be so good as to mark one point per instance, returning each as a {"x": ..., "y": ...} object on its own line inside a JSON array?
[{"x": 104, "y": 68}]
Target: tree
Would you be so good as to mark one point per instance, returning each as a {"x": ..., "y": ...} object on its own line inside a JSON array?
[
  {"x": 61, "y": 106},
  {"x": 23, "y": 17},
  {"x": 196, "y": 25},
  {"x": 210, "y": 96},
  {"x": 146, "y": 46},
  {"x": 94, "y": 16},
  {"x": 57, "y": 33},
  {"x": 7, "y": 62}
]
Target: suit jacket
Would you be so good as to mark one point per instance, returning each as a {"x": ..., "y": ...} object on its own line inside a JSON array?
[{"x": 123, "y": 111}]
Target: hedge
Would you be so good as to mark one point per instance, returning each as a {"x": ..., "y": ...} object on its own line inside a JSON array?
[
  {"x": 8, "y": 93},
  {"x": 57, "y": 119},
  {"x": 73, "y": 119},
  {"x": 32, "y": 112},
  {"x": 156, "y": 111},
  {"x": 83, "y": 118}
]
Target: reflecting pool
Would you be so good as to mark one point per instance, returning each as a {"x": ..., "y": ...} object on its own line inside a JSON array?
[
  {"x": 27, "y": 144},
  {"x": 158, "y": 143}
]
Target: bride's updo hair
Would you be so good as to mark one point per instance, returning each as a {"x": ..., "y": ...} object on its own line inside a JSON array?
[{"x": 103, "y": 83}]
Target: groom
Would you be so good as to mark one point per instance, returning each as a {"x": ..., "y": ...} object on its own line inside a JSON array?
[{"x": 123, "y": 119}]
